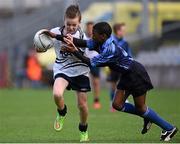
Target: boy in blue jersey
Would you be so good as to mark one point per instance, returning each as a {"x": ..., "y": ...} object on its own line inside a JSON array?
[
  {"x": 119, "y": 30},
  {"x": 134, "y": 77}
]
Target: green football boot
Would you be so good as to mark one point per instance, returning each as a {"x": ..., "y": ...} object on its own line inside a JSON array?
[
  {"x": 84, "y": 136},
  {"x": 59, "y": 122}
]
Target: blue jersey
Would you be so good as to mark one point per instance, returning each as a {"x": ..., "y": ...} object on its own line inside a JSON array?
[
  {"x": 110, "y": 54},
  {"x": 123, "y": 44}
]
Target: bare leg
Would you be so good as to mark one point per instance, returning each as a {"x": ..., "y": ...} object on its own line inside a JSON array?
[
  {"x": 83, "y": 112},
  {"x": 96, "y": 91},
  {"x": 113, "y": 89},
  {"x": 140, "y": 103},
  {"x": 96, "y": 86},
  {"x": 83, "y": 107},
  {"x": 60, "y": 85},
  {"x": 119, "y": 99}
]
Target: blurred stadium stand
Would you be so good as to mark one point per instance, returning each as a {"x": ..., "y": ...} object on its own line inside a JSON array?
[
  {"x": 17, "y": 31},
  {"x": 163, "y": 66},
  {"x": 20, "y": 19},
  {"x": 165, "y": 56}
]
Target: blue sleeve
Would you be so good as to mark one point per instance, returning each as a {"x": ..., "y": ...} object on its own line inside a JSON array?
[
  {"x": 127, "y": 48},
  {"x": 91, "y": 44},
  {"x": 103, "y": 58},
  {"x": 129, "y": 52},
  {"x": 98, "y": 60}
]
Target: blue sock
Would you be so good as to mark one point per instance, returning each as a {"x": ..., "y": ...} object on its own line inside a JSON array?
[
  {"x": 112, "y": 94},
  {"x": 129, "y": 108},
  {"x": 153, "y": 117},
  {"x": 150, "y": 115}
]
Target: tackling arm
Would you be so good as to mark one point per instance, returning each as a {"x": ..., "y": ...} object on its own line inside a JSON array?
[
  {"x": 84, "y": 59},
  {"x": 77, "y": 42}
]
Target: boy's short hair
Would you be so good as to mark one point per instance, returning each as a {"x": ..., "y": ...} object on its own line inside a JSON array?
[
  {"x": 103, "y": 28},
  {"x": 73, "y": 11},
  {"x": 90, "y": 23},
  {"x": 118, "y": 26}
]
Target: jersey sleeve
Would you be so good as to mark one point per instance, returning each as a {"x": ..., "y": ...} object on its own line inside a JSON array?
[
  {"x": 104, "y": 58},
  {"x": 124, "y": 44},
  {"x": 91, "y": 44},
  {"x": 98, "y": 60},
  {"x": 83, "y": 49},
  {"x": 129, "y": 51}
]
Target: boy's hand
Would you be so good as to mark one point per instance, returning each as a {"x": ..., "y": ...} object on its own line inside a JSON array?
[
  {"x": 47, "y": 32},
  {"x": 69, "y": 37},
  {"x": 69, "y": 47}
]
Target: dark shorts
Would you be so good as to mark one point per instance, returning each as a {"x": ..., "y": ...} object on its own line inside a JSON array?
[
  {"x": 95, "y": 71},
  {"x": 79, "y": 83},
  {"x": 137, "y": 81},
  {"x": 113, "y": 76}
]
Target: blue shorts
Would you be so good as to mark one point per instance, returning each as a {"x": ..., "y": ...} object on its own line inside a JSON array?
[
  {"x": 113, "y": 76},
  {"x": 136, "y": 82}
]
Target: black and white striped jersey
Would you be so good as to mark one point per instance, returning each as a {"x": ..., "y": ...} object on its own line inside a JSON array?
[{"x": 67, "y": 63}]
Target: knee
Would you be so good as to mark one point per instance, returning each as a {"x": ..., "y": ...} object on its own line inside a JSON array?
[
  {"x": 82, "y": 106},
  {"x": 141, "y": 109},
  {"x": 57, "y": 94},
  {"x": 117, "y": 106}
]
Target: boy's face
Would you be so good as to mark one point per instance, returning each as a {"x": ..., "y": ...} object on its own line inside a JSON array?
[
  {"x": 89, "y": 29},
  {"x": 71, "y": 24},
  {"x": 121, "y": 32},
  {"x": 99, "y": 38}
]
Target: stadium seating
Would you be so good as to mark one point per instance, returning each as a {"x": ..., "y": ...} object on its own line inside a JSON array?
[{"x": 165, "y": 56}]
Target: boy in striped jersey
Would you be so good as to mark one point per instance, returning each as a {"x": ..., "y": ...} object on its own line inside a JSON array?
[{"x": 70, "y": 73}]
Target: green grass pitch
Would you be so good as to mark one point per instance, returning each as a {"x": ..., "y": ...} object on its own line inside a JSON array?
[{"x": 28, "y": 115}]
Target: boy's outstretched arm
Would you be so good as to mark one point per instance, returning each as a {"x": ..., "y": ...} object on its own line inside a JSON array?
[
  {"x": 84, "y": 59},
  {"x": 70, "y": 47},
  {"x": 77, "y": 42},
  {"x": 53, "y": 35}
]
